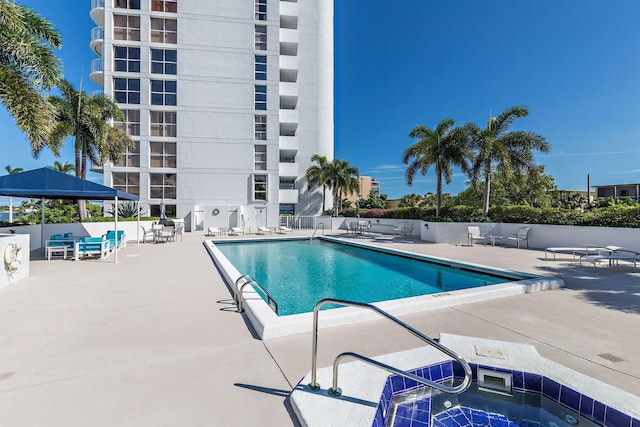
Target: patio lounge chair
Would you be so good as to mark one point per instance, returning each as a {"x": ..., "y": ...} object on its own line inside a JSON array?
[
  {"x": 211, "y": 231},
  {"x": 399, "y": 228},
  {"x": 90, "y": 246},
  {"x": 473, "y": 233},
  {"x": 263, "y": 230},
  {"x": 521, "y": 236},
  {"x": 283, "y": 229},
  {"x": 235, "y": 231},
  {"x": 407, "y": 231},
  {"x": 611, "y": 254},
  {"x": 573, "y": 250},
  {"x": 179, "y": 231}
]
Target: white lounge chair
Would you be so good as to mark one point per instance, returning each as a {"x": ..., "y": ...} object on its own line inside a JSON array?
[
  {"x": 521, "y": 236},
  {"x": 235, "y": 231},
  {"x": 573, "y": 250},
  {"x": 398, "y": 228},
  {"x": 283, "y": 229},
  {"x": 473, "y": 234},
  {"x": 611, "y": 254},
  {"x": 407, "y": 231},
  {"x": 147, "y": 234},
  {"x": 264, "y": 230},
  {"x": 211, "y": 231}
]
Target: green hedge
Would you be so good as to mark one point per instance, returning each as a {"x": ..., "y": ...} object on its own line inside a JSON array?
[{"x": 613, "y": 216}]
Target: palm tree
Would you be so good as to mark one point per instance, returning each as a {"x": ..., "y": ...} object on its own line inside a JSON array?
[
  {"x": 65, "y": 167},
  {"x": 442, "y": 147},
  {"x": 86, "y": 117},
  {"x": 498, "y": 148},
  {"x": 343, "y": 179},
  {"x": 28, "y": 67},
  {"x": 11, "y": 171},
  {"x": 317, "y": 176}
]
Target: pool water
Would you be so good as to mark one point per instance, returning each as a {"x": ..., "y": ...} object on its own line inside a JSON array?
[{"x": 299, "y": 273}]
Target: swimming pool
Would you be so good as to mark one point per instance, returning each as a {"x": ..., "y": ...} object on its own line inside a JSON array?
[
  {"x": 299, "y": 273},
  {"x": 269, "y": 325}
]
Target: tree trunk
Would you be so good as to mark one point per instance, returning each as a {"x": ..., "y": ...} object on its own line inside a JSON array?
[
  {"x": 79, "y": 203},
  {"x": 487, "y": 193},
  {"x": 324, "y": 195},
  {"x": 438, "y": 195}
]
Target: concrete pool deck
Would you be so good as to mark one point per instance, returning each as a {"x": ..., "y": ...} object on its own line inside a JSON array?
[{"x": 153, "y": 340}]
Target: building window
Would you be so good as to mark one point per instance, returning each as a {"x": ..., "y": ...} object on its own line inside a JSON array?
[
  {"x": 260, "y": 128},
  {"x": 261, "y": 98},
  {"x": 260, "y": 157},
  {"x": 127, "y": 4},
  {"x": 163, "y": 123},
  {"x": 261, "y": 67},
  {"x": 126, "y": 27},
  {"x": 126, "y": 181},
  {"x": 163, "y": 92},
  {"x": 126, "y": 59},
  {"x": 131, "y": 157},
  {"x": 169, "y": 6},
  {"x": 261, "y": 37},
  {"x": 169, "y": 210},
  {"x": 126, "y": 91},
  {"x": 164, "y": 61},
  {"x": 259, "y": 187},
  {"x": 164, "y": 30},
  {"x": 131, "y": 124},
  {"x": 261, "y": 10},
  {"x": 162, "y": 185},
  {"x": 162, "y": 154}
]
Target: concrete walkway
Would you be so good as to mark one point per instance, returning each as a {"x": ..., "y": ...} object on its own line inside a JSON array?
[{"x": 154, "y": 341}]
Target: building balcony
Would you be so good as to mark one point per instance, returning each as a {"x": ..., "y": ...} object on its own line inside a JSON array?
[
  {"x": 289, "y": 143},
  {"x": 288, "y": 14},
  {"x": 288, "y": 42},
  {"x": 288, "y": 196},
  {"x": 288, "y": 170},
  {"x": 97, "y": 72},
  {"x": 97, "y": 39},
  {"x": 289, "y": 116},
  {"x": 288, "y": 89},
  {"x": 97, "y": 12},
  {"x": 288, "y": 68}
]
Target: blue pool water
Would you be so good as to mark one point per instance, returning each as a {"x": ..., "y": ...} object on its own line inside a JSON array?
[{"x": 299, "y": 273}]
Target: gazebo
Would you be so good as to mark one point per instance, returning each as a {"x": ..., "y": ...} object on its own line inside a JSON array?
[{"x": 45, "y": 183}]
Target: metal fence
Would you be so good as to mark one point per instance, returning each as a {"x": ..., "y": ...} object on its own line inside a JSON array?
[{"x": 305, "y": 222}]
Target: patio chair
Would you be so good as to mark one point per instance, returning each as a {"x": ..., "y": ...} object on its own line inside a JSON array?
[
  {"x": 283, "y": 229},
  {"x": 521, "y": 236},
  {"x": 235, "y": 231},
  {"x": 398, "y": 228},
  {"x": 179, "y": 231},
  {"x": 407, "y": 231},
  {"x": 147, "y": 234},
  {"x": 211, "y": 231},
  {"x": 473, "y": 234},
  {"x": 120, "y": 242},
  {"x": 58, "y": 244},
  {"x": 90, "y": 246},
  {"x": 263, "y": 230}
]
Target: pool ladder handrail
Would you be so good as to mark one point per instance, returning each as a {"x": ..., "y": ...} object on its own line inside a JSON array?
[
  {"x": 317, "y": 226},
  {"x": 335, "y": 391},
  {"x": 237, "y": 293}
]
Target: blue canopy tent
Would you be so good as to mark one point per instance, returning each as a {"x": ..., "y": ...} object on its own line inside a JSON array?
[{"x": 48, "y": 183}]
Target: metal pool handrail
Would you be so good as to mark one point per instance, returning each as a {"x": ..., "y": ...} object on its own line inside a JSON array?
[
  {"x": 313, "y": 385},
  {"x": 318, "y": 226},
  {"x": 237, "y": 294}
]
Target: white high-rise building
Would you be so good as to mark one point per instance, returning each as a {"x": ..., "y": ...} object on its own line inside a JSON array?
[{"x": 226, "y": 100}]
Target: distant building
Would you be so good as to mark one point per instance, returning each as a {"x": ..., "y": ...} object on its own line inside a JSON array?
[
  {"x": 617, "y": 191},
  {"x": 367, "y": 185}
]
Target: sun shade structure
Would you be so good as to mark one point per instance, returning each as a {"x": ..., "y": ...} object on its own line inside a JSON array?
[
  {"x": 51, "y": 184},
  {"x": 48, "y": 183}
]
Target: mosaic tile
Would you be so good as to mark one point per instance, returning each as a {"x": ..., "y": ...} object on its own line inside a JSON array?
[
  {"x": 615, "y": 418},
  {"x": 570, "y": 398},
  {"x": 586, "y": 406},
  {"x": 598, "y": 412},
  {"x": 533, "y": 382},
  {"x": 518, "y": 380},
  {"x": 551, "y": 389}
]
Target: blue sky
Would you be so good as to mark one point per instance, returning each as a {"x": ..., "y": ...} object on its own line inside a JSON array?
[{"x": 574, "y": 64}]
